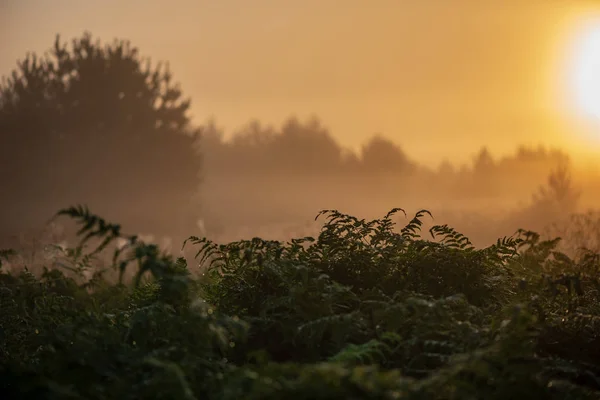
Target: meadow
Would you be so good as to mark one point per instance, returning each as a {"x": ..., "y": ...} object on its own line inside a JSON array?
[{"x": 367, "y": 309}]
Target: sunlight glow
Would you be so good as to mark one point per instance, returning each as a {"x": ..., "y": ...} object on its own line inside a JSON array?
[{"x": 586, "y": 73}]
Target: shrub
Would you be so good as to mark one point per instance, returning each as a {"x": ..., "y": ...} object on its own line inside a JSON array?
[{"x": 361, "y": 311}]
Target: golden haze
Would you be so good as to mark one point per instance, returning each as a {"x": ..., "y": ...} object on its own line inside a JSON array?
[
  {"x": 440, "y": 86},
  {"x": 440, "y": 79}
]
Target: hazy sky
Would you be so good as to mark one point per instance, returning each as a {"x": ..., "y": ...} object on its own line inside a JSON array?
[{"x": 440, "y": 77}]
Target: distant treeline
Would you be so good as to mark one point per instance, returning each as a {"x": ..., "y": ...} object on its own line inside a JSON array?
[
  {"x": 98, "y": 124},
  {"x": 299, "y": 149}
]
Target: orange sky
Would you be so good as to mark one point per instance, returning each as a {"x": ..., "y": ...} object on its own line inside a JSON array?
[{"x": 442, "y": 78}]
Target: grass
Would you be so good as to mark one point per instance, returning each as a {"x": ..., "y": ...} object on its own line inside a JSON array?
[{"x": 362, "y": 311}]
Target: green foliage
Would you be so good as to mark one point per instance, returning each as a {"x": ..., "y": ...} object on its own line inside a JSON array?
[{"x": 363, "y": 311}]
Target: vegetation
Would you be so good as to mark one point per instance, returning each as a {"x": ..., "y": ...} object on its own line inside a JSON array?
[
  {"x": 363, "y": 311},
  {"x": 60, "y": 107},
  {"x": 57, "y": 110},
  {"x": 288, "y": 172}
]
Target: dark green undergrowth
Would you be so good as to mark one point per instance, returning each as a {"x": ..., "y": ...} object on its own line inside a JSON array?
[{"x": 363, "y": 311}]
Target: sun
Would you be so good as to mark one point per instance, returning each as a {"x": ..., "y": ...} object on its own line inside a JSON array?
[{"x": 585, "y": 74}]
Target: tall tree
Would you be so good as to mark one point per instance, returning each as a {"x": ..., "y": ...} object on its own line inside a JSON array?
[{"x": 97, "y": 122}]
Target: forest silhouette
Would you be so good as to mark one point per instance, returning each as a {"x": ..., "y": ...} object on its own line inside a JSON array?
[{"x": 98, "y": 124}]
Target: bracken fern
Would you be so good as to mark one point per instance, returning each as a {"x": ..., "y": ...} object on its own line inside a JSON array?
[{"x": 361, "y": 311}]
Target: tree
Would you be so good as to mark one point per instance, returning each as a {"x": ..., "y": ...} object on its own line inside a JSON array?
[
  {"x": 97, "y": 123},
  {"x": 306, "y": 148},
  {"x": 381, "y": 155},
  {"x": 559, "y": 193},
  {"x": 483, "y": 163}
]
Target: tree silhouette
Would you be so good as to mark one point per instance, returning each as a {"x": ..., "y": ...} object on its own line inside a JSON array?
[
  {"x": 381, "y": 155},
  {"x": 559, "y": 191},
  {"x": 306, "y": 148},
  {"x": 96, "y": 122}
]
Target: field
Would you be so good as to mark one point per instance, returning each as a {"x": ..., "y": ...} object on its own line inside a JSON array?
[{"x": 364, "y": 310}]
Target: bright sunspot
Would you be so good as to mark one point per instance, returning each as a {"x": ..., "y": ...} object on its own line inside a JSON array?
[{"x": 586, "y": 73}]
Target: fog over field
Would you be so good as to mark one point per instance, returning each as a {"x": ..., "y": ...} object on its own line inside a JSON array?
[
  {"x": 294, "y": 111},
  {"x": 272, "y": 181}
]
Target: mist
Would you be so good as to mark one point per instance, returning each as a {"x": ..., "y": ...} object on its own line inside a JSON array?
[
  {"x": 271, "y": 181},
  {"x": 463, "y": 117},
  {"x": 310, "y": 199},
  {"x": 266, "y": 179}
]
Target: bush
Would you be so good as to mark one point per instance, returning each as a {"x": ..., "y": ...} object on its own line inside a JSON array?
[{"x": 363, "y": 311}]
